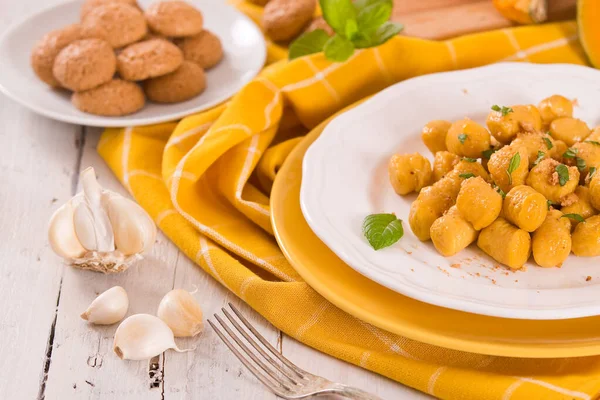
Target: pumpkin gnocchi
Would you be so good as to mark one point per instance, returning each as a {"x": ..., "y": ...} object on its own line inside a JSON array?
[{"x": 525, "y": 185}]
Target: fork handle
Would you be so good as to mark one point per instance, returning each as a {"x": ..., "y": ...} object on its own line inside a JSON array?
[{"x": 352, "y": 392}]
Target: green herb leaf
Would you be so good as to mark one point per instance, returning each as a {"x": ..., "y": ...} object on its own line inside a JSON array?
[
  {"x": 501, "y": 192},
  {"x": 360, "y": 4},
  {"x": 384, "y": 33},
  {"x": 337, "y": 13},
  {"x": 592, "y": 142},
  {"x": 540, "y": 157},
  {"x": 503, "y": 110},
  {"x": 591, "y": 173},
  {"x": 550, "y": 203},
  {"x": 570, "y": 153},
  {"x": 467, "y": 175},
  {"x": 575, "y": 217},
  {"x": 549, "y": 144},
  {"x": 549, "y": 133},
  {"x": 563, "y": 174},
  {"x": 338, "y": 48},
  {"x": 581, "y": 165},
  {"x": 462, "y": 138},
  {"x": 374, "y": 15},
  {"x": 382, "y": 230},
  {"x": 515, "y": 161},
  {"x": 351, "y": 29},
  {"x": 308, "y": 43},
  {"x": 487, "y": 154},
  {"x": 467, "y": 159}
]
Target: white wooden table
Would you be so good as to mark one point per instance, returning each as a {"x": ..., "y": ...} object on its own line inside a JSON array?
[{"x": 47, "y": 351}]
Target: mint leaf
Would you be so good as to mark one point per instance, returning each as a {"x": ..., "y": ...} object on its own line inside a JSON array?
[
  {"x": 549, "y": 144},
  {"x": 581, "y": 165},
  {"x": 467, "y": 159},
  {"x": 462, "y": 138},
  {"x": 550, "y": 203},
  {"x": 515, "y": 161},
  {"x": 540, "y": 157},
  {"x": 382, "y": 230},
  {"x": 380, "y": 36},
  {"x": 503, "y": 110},
  {"x": 591, "y": 173},
  {"x": 487, "y": 154},
  {"x": 360, "y": 4},
  {"x": 338, "y": 48},
  {"x": 563, "y": 174},
  {"x": 592, "y": 142},
  {"x": 373, "y": 16},
  {"x": 308, "y": 43},
  {"x": 575, "y": 217},
  {"x": 467, "y": 175},
  {"x": 570, "y": 153},
  {"x": 500, "y": 192},
  {"x": 337, "y": 13},
  {"x": 351, "y": 29}
]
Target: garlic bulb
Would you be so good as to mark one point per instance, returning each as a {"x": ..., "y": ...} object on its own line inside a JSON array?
[
  {"x": 143, "y": 336},
  {"x": 181, "y": 312},
  {"x": 100, "y": 230},
  {"x": 108, "y": 308}
]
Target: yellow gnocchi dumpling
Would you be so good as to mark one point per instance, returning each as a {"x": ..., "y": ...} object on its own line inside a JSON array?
[
  {"x": 569, "y": 130},
  {"x": 467, "y": 138},
  {"x": 500, "y": 167},
  {"x": 443, "y": 163},
  {"x": 451, "y": 233},
  {"x": 464, "y": 168},
  {"x": 409, "y": 172},
  {"x": 504, "y": 125},
  {"x": 478, "y": 203},
  {"x": 553, "y": 180},
  {"x": 434, "y": 135},
  {"x": 555, "y": 106},
  {"x": 505, "y": 243},
  {"x": 551, "y": 242},
  {"x": 432, "y": 203},
  {"x": 589, "y": 152},
  {"x": 586, "y": 238},
  {"x": 525, "y": 208},
  {"x": 595, "y": 191},
  {"x": 595, "y": 135},
  {"x": 581, "y": 206},
  {"x": 559, "y": 149},
  {"x": 537, "y": 145}
]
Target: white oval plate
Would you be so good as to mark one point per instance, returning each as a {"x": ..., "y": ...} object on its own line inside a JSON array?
[
  {"x": 243, "y": 44},
  {"x": 345, "y": 179}
]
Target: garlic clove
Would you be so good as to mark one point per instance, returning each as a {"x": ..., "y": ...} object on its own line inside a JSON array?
[
  {"x": 134, "y": 230},
  {"x": 181, "y": 312},
  {"x": 61, "y": 233},
  {"x": 108, "y": 308},
  {"x": 143, "y": 336}
]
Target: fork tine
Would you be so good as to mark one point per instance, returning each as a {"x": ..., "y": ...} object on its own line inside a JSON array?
[
  {"x": 250, "y": 353},
  {"x": 259, "y": 375},
  {"x": 254, "y": 344},
  {"x": 300, "y": 372}
]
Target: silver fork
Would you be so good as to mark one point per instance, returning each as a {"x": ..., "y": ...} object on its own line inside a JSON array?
[{"x": 286, "y": 379}]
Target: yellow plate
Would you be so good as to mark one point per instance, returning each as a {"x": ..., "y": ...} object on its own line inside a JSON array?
[{"x": 377, "y": 305}]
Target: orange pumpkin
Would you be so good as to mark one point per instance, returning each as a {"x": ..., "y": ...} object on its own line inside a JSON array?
[{"x": 588, "y": 16}]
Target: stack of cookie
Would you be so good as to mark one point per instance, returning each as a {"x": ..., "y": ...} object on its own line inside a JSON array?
[{"x": 118, "y": 55}]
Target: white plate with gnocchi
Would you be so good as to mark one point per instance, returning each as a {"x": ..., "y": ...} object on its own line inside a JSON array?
[{"x": 492, "y": 172}]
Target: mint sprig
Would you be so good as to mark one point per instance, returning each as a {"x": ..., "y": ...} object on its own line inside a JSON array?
[
  {"x": 549, "y": 144},
  {"x": 563, "y": 174},
  {"x": 515, "y": 161},
  {"x": 382, "y": 230},
  {"x": 362, "y": 24},
  {"x": 540, "y": 157},
  {"x": 504, "y": 110},
  {"x": 575, "y": 217}
]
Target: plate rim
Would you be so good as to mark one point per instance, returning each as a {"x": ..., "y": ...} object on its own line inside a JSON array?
[
  {"x": 116, "y": 122},
  {"x": 433, "y": 337}
]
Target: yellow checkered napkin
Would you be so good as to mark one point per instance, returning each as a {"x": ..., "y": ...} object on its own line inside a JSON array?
[{"x": 205, "y": 181}]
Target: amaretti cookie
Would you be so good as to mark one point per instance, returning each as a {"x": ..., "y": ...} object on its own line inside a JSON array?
[
  {"x": 174, "y": 18},
  {"x": 114, "y": 98},
  {"x": 89, "y": 5},
  {"x": 121, "y": 23},
  {"x": 204, "y": 49},
  {"x": 184, "y": 83},
  {"x": 46, "y": 50},
  {"x": 85, "y": 64},
  {"x": 148, "y": 59}
]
